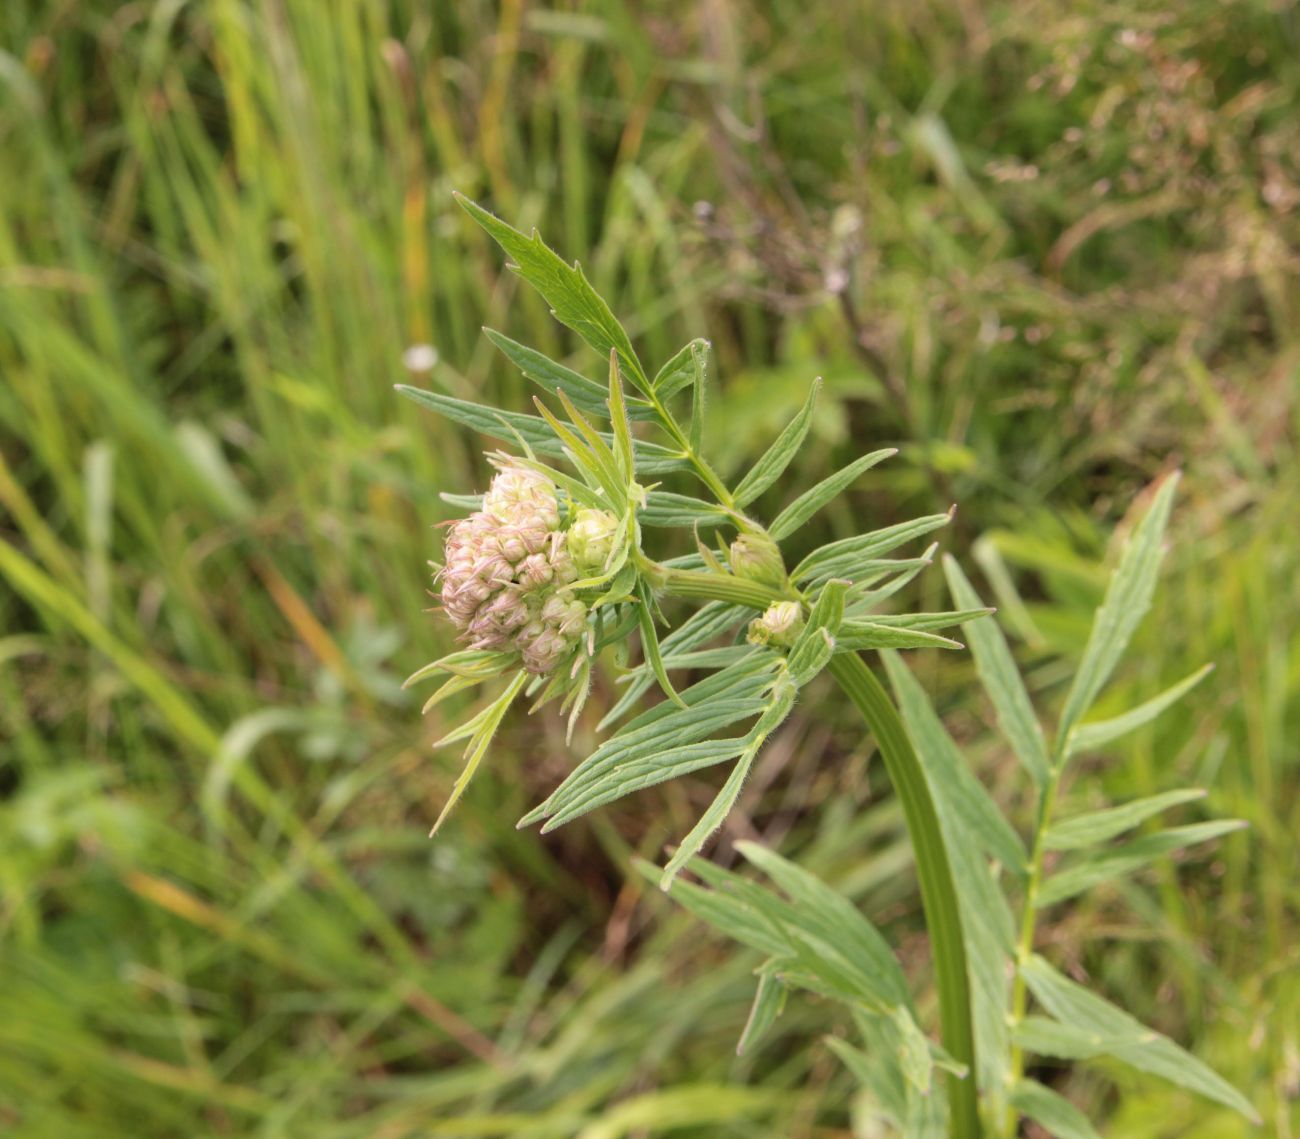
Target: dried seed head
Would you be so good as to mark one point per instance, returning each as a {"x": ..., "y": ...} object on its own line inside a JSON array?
[
  {"x": 779, "y": 626},
  {"x": 591, "y": 540},
  {"x": 758, "y": 558}
]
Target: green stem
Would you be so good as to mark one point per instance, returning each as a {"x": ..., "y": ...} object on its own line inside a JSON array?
[
  {"x": 938, "y": 894},
  {"x": 703, "y": 468}
]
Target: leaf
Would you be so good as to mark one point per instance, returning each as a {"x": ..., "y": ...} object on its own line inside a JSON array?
[
  {"x": 685, "y": 368},
  {"x": 1142, "y": 1048},
  {"x": 845, "y": 558},
  {"x": 1051, "y": 1111},
  {"x": 769, "y": 1003},
  {"x": 487, "y": 723},
  {"x": 664, "y": 508},
  {"x": 856, "y": 635},
  {"x": 565, "y": 288},
  {"x": 552, "y": 377},
  {"x": 1116, "y": 862},
  {"x": 1001, "y": 679},
  {"x": 1089, "y": 737},
  {"x": 650, "y": 643},
  {"x": 777, "y": 457},
  {"x": 950, "y": 778},
  {"x": 699, "y": 393},
  {"x": 1045, "y": 1037},
  {"x": 513, "y": 426},
  {"x": 1100, "y": 826},
  {"x": 782, "y": 701},
  {"x": 929, "y": 620},
  {"x": 1128, "y": 597},
  {"x": 813, "y": 648},
  {"x": 811, "y": 501}
]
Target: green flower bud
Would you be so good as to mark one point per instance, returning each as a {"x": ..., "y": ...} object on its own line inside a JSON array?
[
  {"x": 758, "y": 558},
  {"x": 591, "y": 540},
  {"x": 779, "y": 626}
]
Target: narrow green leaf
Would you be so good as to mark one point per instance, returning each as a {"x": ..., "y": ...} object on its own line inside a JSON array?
[
  {"x": 777, "y": 457},
  {"x": 565, "y": 288},
  {"x": 551, "y": 377},
  {"x": 664, "y": 508},
  {"x": 1128, "y": 597},
  {"x": 846, "y": 557},
  {"x": 927, "y": 621},
  {"x": 858, "y": 634},
  {"x": 699, "y": 394},
  {"x": 1101, "y": 826},
  {"x": 650, "y": 644},
  {"x": 782, "y": 701},
  {"x": 487, "y": 727},
  {"x": 769, "y": 1003},
  {"x": 951, "y": 780},
  {"x": 618, "y": 420},
  {"x": 1089, "y": 737},
  {"x": 1001, "y": 679},
  {"x": 1051, "y": 1111},
  {"x": 811, "y": 501},
  {"x": 682, "y": 370},
  {"x": 1045, "y": 1037},
  {"x": 814, "y": 646},
  {"x": 512, "y": 426},
  {"x": 1143, "y": 1049},
  {"x": 1116, "y": 862}
]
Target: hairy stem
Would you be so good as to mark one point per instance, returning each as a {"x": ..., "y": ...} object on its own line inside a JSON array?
[{"x": 938, "y": 894}]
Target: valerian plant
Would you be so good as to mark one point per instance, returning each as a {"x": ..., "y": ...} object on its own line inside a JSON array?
[{"x": 547, "y": 572}]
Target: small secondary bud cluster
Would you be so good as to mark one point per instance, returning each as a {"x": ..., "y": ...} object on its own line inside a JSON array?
[
  {"x": 779, "y": 626},
  {"x": 507, "y": 568}
]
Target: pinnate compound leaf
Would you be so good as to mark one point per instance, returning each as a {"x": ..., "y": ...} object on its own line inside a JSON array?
[
  {"x": 565, "y": 288},
  {"x": 1051, "y": 1111},
  {"x": 777, "y": 457},
  {"x": 1141, "y": 1047},
  {"x": 1101, "y": 826},
  {"x": 811, "y": 501},
  {"x": 1116, "y": 862},
  {"x": 1001, "y": 679},
  {"x": 1128, "y": 597},
  {"x": 1088, "y": 737}
]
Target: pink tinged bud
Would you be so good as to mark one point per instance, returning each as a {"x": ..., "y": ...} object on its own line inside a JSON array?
[
  {"x": 535, "y": 571},
  {"x": 522, "y": 496},
  {"x": 779, "y": 626}
]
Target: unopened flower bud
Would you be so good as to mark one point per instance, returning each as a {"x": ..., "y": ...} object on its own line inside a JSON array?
[
  {"x": 591, "y": 540},
  {"x": 758, "y": 558},
  {"x": 523, "y": 497},
  {"x": 779, "y": 626}
]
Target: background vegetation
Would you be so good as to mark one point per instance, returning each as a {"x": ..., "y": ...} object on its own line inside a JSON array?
[{"x": 1049, "y": 250}]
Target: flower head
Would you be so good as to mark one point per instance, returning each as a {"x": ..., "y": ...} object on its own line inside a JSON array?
[{"x": 779, "y": 626}]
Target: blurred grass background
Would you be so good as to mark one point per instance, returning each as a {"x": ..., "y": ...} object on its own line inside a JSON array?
[{"x": 1050, "y": 250}]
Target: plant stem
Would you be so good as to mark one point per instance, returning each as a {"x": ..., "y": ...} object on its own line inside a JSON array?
[{"x": 938, "y": 894}]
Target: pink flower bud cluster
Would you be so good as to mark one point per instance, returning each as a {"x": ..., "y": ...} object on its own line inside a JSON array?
[{"x": 507, "y": 566}]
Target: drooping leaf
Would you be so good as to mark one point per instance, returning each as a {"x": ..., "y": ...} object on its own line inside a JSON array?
[
  {"x": 1051, "y": 1111},
  {"x": 1089, "y": 737},
  {"x": 565, "y": 288},
  {"x": 811, "y": 501},
  {"x": 485, "y": 726},
  {"x": 777, "y": 457},
  {"x": 1116, "y": 862},
  {"x": 1144, "y": 1049},
  {"x": 1100, "y": 826},
  {"x": 1128, "y": 597}
]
